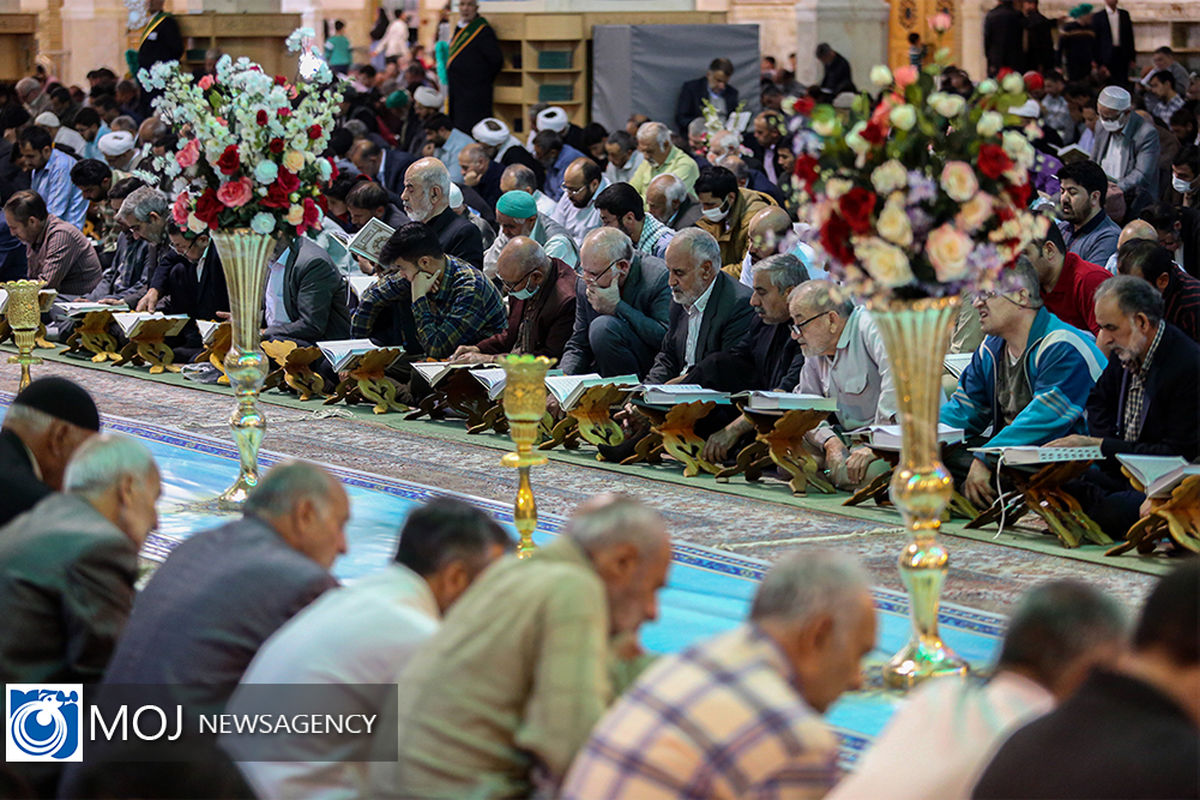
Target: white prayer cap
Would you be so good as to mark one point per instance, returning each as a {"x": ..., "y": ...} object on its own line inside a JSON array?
[
  {"x": 1114, "y": 97},
  {"x": 47, "y": 119},
  {"x": 430, "y": 98},
  {"x": 455, "y": 198},
  {"x": 490, "y": 131},
  {"x": 117, "y": 143},
  {"x": 552, "y": 119},
  {"x": 1028, "y": 110}
]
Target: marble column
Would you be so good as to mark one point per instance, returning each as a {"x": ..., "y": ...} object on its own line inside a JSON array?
[{"x": 855, "y": 28}]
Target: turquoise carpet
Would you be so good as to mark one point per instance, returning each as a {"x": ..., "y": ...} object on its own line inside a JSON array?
[{"x": 709, "y": 591}]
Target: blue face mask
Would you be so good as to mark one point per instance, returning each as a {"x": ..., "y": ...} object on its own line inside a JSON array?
[{"x": 523, "y": 294}]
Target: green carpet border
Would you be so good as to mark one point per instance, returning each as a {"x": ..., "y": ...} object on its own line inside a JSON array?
[{"x": 1023, "y": 539}]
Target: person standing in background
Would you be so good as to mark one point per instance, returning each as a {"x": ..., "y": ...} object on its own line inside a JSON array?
[
  {"x": 471, "y": 68},
  {"x": 337, "y": 49}
]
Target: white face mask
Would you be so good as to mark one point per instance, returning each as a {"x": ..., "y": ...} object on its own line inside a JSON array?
[
  {"x": 1180, "y": 185},
  {"x": 716, "y": 214},
  {"x": 524, "y": 294},
  {"x": 1111, "y": 125}
]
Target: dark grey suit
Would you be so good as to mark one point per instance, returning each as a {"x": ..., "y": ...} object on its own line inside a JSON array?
[
  {"x": 686, "y": 215},
  {"x": 1138, "y": 174},
  {"x": 626, "y": 341},
  {"x": 314, "y": 296},
  {"x": 723, "y": 325},
  {"x": 66, "y": 589},
  {"x": 209, "y": 607}
]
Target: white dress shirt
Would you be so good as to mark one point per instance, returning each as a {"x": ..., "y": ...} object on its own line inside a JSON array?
[
  {"x": 1114, "y": 24},
  {"x": 615, "y": 174},
  {"x": 579, "y": 221},
  {"x": 695, "y": 314},
  {"x": 276, "y": 309}
]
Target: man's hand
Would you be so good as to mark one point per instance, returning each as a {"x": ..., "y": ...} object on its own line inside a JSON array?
[
  {"x": 835, "y": 454},
  {"x": 471, "y": 177},
  {"x": 604, "y": 299},
  {"x": 149, "y": 301},
  {"x": 719, "y": 444},
  {"x": 425, "y": 282},
  {"x": 978, "y": 486},
  {"x": 463, "y": 349},
  {"x": 111, "y": 301},
  {"x": 223, "y": 315},
  {"x": 857, "y": 462},
  {"x": 366, "y": 265},
  {"x": 428, "y": 150},
  {"x": 1075, "y": 440},
  {"x": 472, "y": 356}
]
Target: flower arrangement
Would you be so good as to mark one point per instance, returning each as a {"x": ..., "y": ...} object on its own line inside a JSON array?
[
  {"x": 921, "y": 193},
  {"x": 250, "y": 144}
]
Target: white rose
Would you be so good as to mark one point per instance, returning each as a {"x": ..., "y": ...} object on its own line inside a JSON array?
[
  {"x": 893, "y": 223},
  {"x": 836, "y": 187},
  {"x": 889, "y": 176},
  {"x": 884, "y": 262},
  {"x": 987, "y": 86},
  {"x": 947, "y": 105},
  {"x": 881, "y": 76},
  {"x": 828, "y": 126},
  {"x": 855, "y": 141},
  {"x": 903, "y": 117},
  {"x": 1013, "y": 83},
  {"x": 1018, "y": 148},
  {"x": 990, "y": 123}
]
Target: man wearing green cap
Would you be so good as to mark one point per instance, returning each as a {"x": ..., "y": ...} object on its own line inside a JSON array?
[
  {"x": 1077, "y": 43},
  {"x": 517, "y": 215}
]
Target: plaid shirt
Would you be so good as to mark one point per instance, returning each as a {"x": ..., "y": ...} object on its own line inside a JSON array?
[
  {"x": 1181, "y": 303},
  {"x": 720, "y": 720},
  {"x": 1135, "y": 395},
  {"x": 655, "y": 237},
  {"x": 1163, "y": 109},
  {"x": 464, "y": 309}
]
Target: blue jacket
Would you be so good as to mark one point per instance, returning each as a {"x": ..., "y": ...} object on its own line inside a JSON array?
[{"x": 1062, "y": 364}]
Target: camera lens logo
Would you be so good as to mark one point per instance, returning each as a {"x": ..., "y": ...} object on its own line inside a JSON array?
[{"x": 45, "y": 722}]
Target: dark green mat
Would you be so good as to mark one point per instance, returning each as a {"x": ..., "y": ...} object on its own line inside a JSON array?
[{"x": 668, "y": 472}]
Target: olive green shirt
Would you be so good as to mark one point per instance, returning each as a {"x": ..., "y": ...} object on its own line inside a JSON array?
[{"x": 513, "y": 681}]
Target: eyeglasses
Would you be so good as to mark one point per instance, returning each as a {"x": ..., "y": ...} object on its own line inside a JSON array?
[
  {"x": 590, "y": 280},
  {"x": 573, "y": 192},
  {"x": 512, "y": 287},
  {"x": 798, "y": 327}
]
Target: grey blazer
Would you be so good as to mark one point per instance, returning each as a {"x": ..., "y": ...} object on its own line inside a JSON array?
[
  {"x": 1139, "y": 165},
  {"x": 724, "y": 324},
  {"x": 314, "y": 295}
]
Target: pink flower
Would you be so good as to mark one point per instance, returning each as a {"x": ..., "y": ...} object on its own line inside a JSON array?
[
  {"x": 235, "y": 194},
  {"x": 905, "y": 76},
  {"x": 206, "y": 82},
  {"x": 947, "y": 248},
  {"x": 189, "y": 155},
  {"x": 180, "y": 208},
  {"x": 941, "y": 22}
]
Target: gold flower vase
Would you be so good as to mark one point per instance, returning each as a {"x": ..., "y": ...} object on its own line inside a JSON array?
[
  {"x": 524, "y": 406},
  {"x": 245, "y": 257},
  {"x": 24, "y": 317},
  {"x": 917, "y": 334}
]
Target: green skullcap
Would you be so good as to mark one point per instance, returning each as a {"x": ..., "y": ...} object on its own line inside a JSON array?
[
  {"x": 517, "y": 204},
  {"x": 1079, "y": 10},
  {"x": 397, "y": 99}
]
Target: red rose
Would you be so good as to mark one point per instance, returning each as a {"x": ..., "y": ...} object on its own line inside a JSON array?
[
  {"x": 314, "y": 132},
  {"x": 323, "y": 204},
  {"x": 873, "y": 133},
  {"x": 993, "y": 161},
  {"x": 311, "y": 216},
  {"x": 1004, "y": 212},
  {"x": 857, "y": 206},
  {"x": 208, "y": 208},
  {"x": 1020, "y": 193},
  {"x": 288, "y": 181},
  {"x": 280, "y": 80},
  {"x": 333, "y": 175},
  {"x": 261, "y": 118},
  {"x": 229, "y": 161},
  {"x": 276, "y": 197},
  {"x": 285, "y": 112},
  {"x": 835, "y": 240},
  {"x": 806, "y": 169},
  {"x": 803, "y": 106},
  {"x": 276, "y": 145}
]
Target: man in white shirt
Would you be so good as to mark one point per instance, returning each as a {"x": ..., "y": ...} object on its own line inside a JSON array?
[
  {"x": 359, "y": 637},
  {"x": 576, "y": 210},
  {"x": 940, "y": 740},
  {"x": 394, "y": 44},
  {"x": 519, "y": 177}
]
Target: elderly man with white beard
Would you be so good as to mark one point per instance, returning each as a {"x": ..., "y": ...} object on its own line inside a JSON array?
[{"x": 426, "y": 197}]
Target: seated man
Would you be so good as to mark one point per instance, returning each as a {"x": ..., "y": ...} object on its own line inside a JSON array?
[
  {"x": 750, "y": 178},
  {"x": 1144, "y": 403},
  {"x": 427, "y": 198},
  {"x": 448, "y": 141},
  {"x": 713, "y": 86},
  {"x": 146, "y": 213},
  {"x": 43, "y": 427},
  {"x": 710, "y": 311},
  {"x": 441, "y": 302},
  {"x": 1137, "y": 229},
  {"x": 504, "y": 148},
  {"x": 622, "y": 304},
  {"x": 1180, "y": 292},
  {"x": 383, "y": 166},
  {"x": 480, "y": 172},
  {"x": 725, "y": 211},
  {"x": 541, "y": 305},
  {"x": 1086, "y": 228},
  {"x": 739, "y": 715},
  {"x": 555, "y": 156},
  {"x": 517, "y": 214},
  {"x": 306, "y": 295},
  {"x": 369, "y": 199},
  {"x": 508, "y": 689},
  {"x": 623, "y": 157},
  {"x": 661, "y": 157},
  {"x": 127, "y": 277},
  {"x": 58, "y": 253},
  {"x": 50, "y": 176},
  {"x": 94, "y": 180},
  {"x": 1178, "y": 230},
  {"x": 1126, "y": 148},
  {"x": 669, "y": 201},
  {"x": 68, "y": 567},
  {"x": 844, "y": 359},
  {"x": 363, "y": 634},
  {"x": 576, "y": 210},
  {"x": 769, "y": 229},
  {"x": 1068, "y": 283},
  {"x": 519, "y": 177},
  {"x": 766, "y": 358},
  {"x": 939, "y": 742},
  {"x": 621, "y": 207},
  {"x": 192, "y": 283},
  {"x": 1029, "y": 381}
]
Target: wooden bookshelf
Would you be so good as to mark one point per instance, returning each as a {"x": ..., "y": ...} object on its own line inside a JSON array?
[
  {"x": 18, "y": 45},
  {"x": 260, "y": 37}
]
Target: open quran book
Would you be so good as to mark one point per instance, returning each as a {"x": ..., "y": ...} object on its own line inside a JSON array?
[
  {"x": 1017, "y": 456},
  {"x": 132, "y": 322},
  {"x": 673, "y": 394},
  {"x": 567, "y": 389},
  {"x": 786, "y": 401},
  {"x": 1158, "y": 474},
  {"x": 342, "y": 353}
]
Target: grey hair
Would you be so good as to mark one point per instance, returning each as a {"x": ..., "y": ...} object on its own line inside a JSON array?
[
  {"x": 824, "y": 296},
  {"x": 143, "y": 202},
  {"x": 808, "y": 584},
  {"x": 286, "y": 485},
  {"x": 25, "y": 418},
  {"x": 1026, "y": 277},
  {"x": 357, "y": 128},
  {"x": 1056, "y": 623},
  {"x": 103, "y": 460},
  {"x": 660, "y": 132},
  {"x": 674, "y": 189},
  {"x": 701, "y": 246},
  {"x": 724, "y": 139},
  {"x": 124, "y": 123},
  {"x": 430, "y": 173},
  {"x": 610, "y": 519},
  {"x": 1134, "y": 296},
  {"x": 27, "y": 86},
  {"x": 522, "y": 177},
  {"x": 697, "y": 127},
  {"x": 612, "y": 243},
  {"x": 784, "y": 270},
  {"x": 735, "y": 164}
]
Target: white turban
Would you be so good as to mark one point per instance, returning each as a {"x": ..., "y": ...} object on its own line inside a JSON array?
[
  {"x": 490, "y": 131},
  {"x": 1027, "y": 110},
  {"x": 455, "y": 198},
  {"x": 117, "y": 143},
  {"x": 1114, "y": 97},
  {"x": 47, "y": 119},
  {"x": 430, "y": 98},
  {"x": 552, "y": 119}
]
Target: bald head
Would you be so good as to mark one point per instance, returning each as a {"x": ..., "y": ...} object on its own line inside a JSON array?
[
  {"x": 1138, "y": 229},
  {"x": 518, "y": 177},
  {"x": 520, "y": 257},
  {"x": 664, "y": 196},
  {"x": 605, "y": 244},
  {"x": 474, "y": 156},
  {"x": 766, "y": 231},
  {"x": 426, "y": 189}
]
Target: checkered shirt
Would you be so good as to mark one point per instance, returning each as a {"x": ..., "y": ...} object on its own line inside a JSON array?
[
  {"x": 1135, "y": 395},
  {"x": 655, "y": 237},
  {"x": 720, "y": 720}
]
